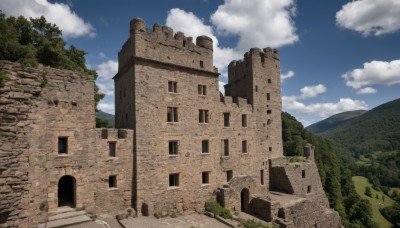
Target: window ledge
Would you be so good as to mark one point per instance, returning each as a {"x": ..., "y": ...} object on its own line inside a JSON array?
[
  {"x": 245, "y": 154},
  {"x": 205, "y": 185},
  {"x": 173, "y": 188},
  {"x": 205, "y": 153},
  {"x": 172, "y": 155},
  {"x": 62, "y": 155},
  {"x": 112, "y": 189},
  {"x": 203, "y": 123}
]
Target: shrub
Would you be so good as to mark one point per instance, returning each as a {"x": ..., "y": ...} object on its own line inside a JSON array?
[
  {"x": 215, "y": 208},
  {"x": 3, "y": 77},
  {"x": 251, "y": 223}
]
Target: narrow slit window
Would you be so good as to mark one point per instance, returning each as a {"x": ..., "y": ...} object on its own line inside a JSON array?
[
  {"x": 62, "y": 145},
  {"x": 262, "y": 177},
  {"x": 201, "y": 64},
  {"x": 226, "y": 119},
  {"x": 172, "y": 87},
  {"x": 303, "y": 174},
  {"x": 226, "y": 147},
  {"x": 173, "y": 147},
  {"x": 172, "y": 114},
  {"x": 174, "y": 180},
  {"x": 229, "y": 175},
  {"x": 244, "y": 120},
  {"x": 244, "y": 146},
  {"x": 112, "y": 181},
  {"x": 309, "y": 189},
  {"x": 111, "y": 149},
  {"x": 269, "y": 149},
  {"x": 268, "y": 96},
  {"x": 204, "y": 146},
  {"x": 205, "y": 177},
  {"x": 203, "y": 116}
]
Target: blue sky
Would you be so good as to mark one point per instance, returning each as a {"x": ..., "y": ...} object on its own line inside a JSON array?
[{"x": 335, "y": 55}]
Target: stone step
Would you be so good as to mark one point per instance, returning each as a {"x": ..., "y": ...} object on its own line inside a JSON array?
[
  {"x": 68, "y": 221},
  {"x": 61, "y": 210},
  {"x": 66, "y": 215}
]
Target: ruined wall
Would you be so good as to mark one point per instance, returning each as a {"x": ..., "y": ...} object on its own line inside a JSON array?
[{"x": 40, "y": 106}]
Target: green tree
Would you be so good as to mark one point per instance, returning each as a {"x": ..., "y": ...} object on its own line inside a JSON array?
[{"x": 368, "y": 192}]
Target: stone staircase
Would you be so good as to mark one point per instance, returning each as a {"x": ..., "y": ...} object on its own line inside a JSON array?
[{"x": 65, "y": 216}]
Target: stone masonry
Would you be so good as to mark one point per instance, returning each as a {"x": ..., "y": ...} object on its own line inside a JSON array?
[
  {"x": 192, "y": 144},
  {"x": 179, "y": 142}
]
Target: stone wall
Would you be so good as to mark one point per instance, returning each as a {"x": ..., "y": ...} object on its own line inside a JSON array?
[{"x": 40, "y": 106}]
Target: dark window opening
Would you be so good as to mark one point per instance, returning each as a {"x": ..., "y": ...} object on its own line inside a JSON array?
[
  {"x": 244, "y": 120},
  {"x": 184, "y": 43},
  {"x": 269, "y": 80},
  {"x": 201, "y": 64},
  {"x": 303, "y": 174},
  {"x": 229, "y": 175},
  {"x": 256, "y": 88},
  {"x": 269, "y": 121},
  {"x": 172, "y": 114},
  {"x": 270, "y": 149},
  {"x": 111, "y": 149},
  {"x": 205, "y": 178},
  {"x": 268, "y": 96},
  {"x": 174, "y": 180},
  {"x": 226, "y": 119},
  {"x": 172, "y": 87},
  {"x": 226, "y": 147},
  {"x": 203, "y": 116},
  {"x": 262, "y": 177},
  {"x": 201, "y": 89},
  {"x": 62, "y": 145},
  {"x": 112, "y": 181},
  {"x": 269, "y": 111},
  {"x": 244, "y": 146},
  {"x": 309, "y": 189},
  {"x": 173, "y": 147},
  {"x": 126, "y": 117},
  {"x": 204, "y": 146}
]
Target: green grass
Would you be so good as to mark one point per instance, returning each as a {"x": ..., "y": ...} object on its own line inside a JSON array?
[{"x": 360, "y": 183}]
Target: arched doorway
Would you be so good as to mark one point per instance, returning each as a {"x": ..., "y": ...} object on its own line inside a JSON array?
[
  {"x": 66, "y": 191},
  {"x": 244, "y": 200}
]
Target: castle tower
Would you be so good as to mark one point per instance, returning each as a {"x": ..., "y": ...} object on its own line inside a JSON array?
[{"x": 257, "y": 78}]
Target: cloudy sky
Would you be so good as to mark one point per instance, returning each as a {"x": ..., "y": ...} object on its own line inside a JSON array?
[{"x": 335, "y": 55}]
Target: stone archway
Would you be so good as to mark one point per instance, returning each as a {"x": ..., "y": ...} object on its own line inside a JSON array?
[
  {"x": 67, "y": 191},
  {"x": 244, "y": 200}
]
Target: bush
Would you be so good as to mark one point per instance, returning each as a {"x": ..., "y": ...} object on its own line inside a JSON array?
[
  {"x": 215, "y": 208},
  {"x": 2, "y": 78},
  {"x": 254, "y": 224}
]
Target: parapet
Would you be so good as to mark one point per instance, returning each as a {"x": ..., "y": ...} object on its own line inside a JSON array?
[
  {"x": 256, "y": 53},
  {"x": 204, "y": 41},
  {"x": 137, "y": 24}
]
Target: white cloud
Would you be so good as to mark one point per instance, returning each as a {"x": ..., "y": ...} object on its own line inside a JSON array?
[
  {"x": 106, "y": 71},
  {"x": 370, "y": 17},
  {"x": 367, "y": 90},
  {"x": 193, "y": 26},
  {"x": 323, "y": 110},
  {"x": 312, "y": 91},
  {"x": 288, "y": 75},
  {"x": 106, "y": 107},
  {"x": 102, "y": 55},
  {"x": 375, "y": 72},
  {"x": 257, "y": 24},
  {"x": 221, "y": 87},
  {"x": 60, "y": 14}
]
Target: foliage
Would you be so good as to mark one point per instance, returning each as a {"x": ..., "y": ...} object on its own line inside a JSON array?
[
  {"x": 35, "y": 41},
  {"x": 392, "y": 214},
  {"x": 215, "y": 208},
  {"x": 334, "y": 121},
  {"x": 101, "y": 123},
  {"x": 251, "y": 223},
  {"x": 334, "y": 170},
  {"x": 107, "y": 117},
  {"x": 367, "y": 191}
]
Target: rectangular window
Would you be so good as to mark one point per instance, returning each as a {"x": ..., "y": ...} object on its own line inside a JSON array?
[
  {"x": 244, "y": 146},
  {"x": 226, "y": 147},
  {"x": 172, "y": 87},
  {"x": 229, "y": 175},
  {"x": 309, "y": 189},
  {"x": 112, "y": 181},
  {"x": 226, "y": 119},
  {"x": 205, "y": 177},
  {"x": 62, "y": 145},
  {"x": 262, "y": 177},
  {"x": 172, "y": 114},
  {"x": 174, "y": 180},
  {"x": 173, "y": 147},
  {"x": 201, "y": 64},
  {"x": 270, "y": 149},
  {"x": 204, "y": 147},
  {"x": 111, "y": 149},
  {"x": 244, "y": 120},
  {"x": 268, "y": 96},
  {"x": 203, "y": 116},
  {"x": 269, "y": 111},
  {"x": 269, "y": 80},
  {"x": 201, "y": 89},
  {"x": 303, "y": 174}
]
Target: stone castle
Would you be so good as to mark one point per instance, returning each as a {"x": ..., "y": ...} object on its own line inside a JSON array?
[{"x": 178, "y": 142}]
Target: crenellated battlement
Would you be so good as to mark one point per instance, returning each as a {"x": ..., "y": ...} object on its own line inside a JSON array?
[{"x": 238, "y": 102}]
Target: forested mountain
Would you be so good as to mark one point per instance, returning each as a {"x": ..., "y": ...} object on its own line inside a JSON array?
[
  {"x": 375, "y": 130},
  {"x": 334, "y": 121},
  {"x": 334, "y": 169},
  {"x": 108, "y": 119}
]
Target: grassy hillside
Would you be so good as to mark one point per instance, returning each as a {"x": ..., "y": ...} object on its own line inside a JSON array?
[
  {"x": 334, "y": 121},
  {"x": 105, "y": 116},
  {"x": 360, "y": 183},
  {"x": 375, "y": 130}
]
